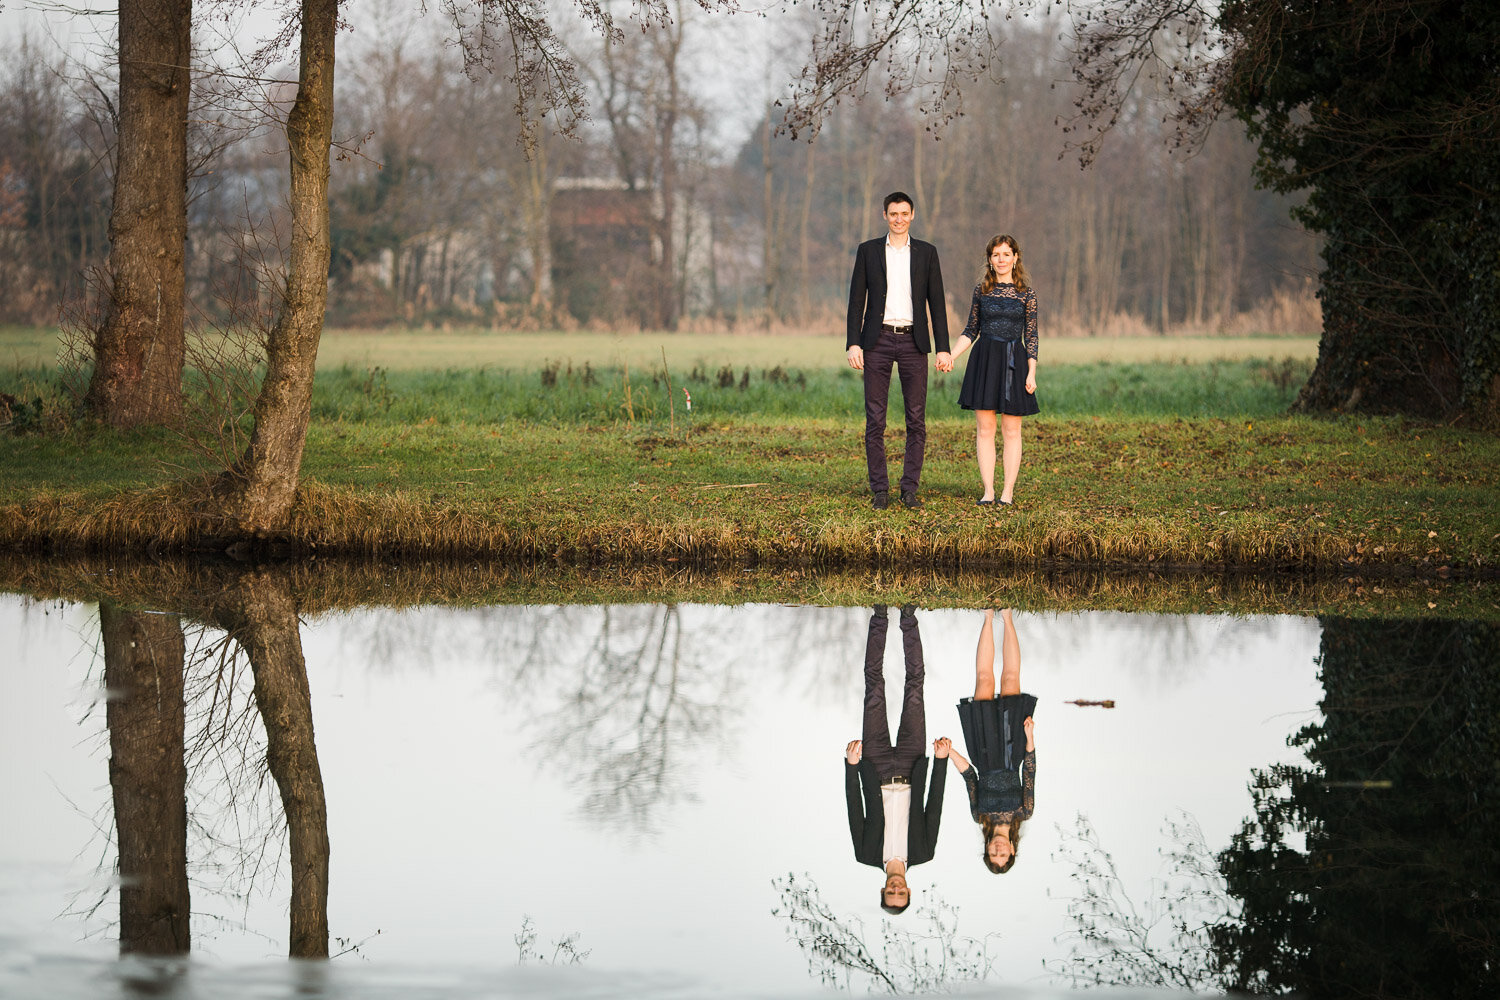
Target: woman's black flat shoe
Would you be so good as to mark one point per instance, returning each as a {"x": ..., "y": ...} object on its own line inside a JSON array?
[{"x": 983, "y": 503}]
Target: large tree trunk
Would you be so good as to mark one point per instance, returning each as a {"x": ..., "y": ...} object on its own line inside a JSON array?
[
  {"x": 138, "y": 349},
  {"x": 143, "y": 659},
  {"x": 258, "y": 492},
  {"x": 259, "y": 612}
]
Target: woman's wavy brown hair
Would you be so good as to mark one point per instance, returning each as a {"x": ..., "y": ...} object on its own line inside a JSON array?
[
  {"x": 987, "y": 827},
  {"x": 1018, "y": 273}
]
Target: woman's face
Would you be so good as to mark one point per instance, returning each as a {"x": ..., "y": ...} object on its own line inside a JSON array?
[
  {"x": 1002, "y": 260},
  {"x": 999, "y": 848}
]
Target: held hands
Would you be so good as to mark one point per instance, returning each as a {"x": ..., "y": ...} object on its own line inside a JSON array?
[
  {"x": 944, "y": 361},
  {"x": 854, "y": 751},
  {"x": 944, "y": 748},
  {"x": 1030, "y": 728},
  {"x": 856, "y": 357}
]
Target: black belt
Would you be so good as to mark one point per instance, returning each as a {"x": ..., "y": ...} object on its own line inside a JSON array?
[
  {"x": 886, "y": 328},
  {"x": 899, "y": 779}
]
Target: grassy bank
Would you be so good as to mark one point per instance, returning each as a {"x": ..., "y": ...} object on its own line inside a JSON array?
[
  {"x": 1141, "y": 464},
  {"x": 1383, "y": 496}
]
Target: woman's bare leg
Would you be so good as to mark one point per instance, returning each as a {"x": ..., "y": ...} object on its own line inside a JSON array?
[
  {"x": 1010, "y": 434},
  {"x": 984, "y": 450},
  {"x": 984, "y": 660},
  {"x": 1010, "y": 655}
]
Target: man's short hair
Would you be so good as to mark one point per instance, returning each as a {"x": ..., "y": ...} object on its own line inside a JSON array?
[
  {"x": 893, "y": 909},
  {"x": 896, "y": 196}
]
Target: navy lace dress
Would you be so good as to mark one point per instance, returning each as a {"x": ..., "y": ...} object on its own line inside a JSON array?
[
  {"x": 1001, "y": 778},
  {"x": 1002, "y": 327}
]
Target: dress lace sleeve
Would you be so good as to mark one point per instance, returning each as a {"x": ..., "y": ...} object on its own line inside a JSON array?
[
  {"x": 971, "y": 783},
  {"x": 971, "y": 329},
  {"x": 1028, "y": 784},
  {"x": 1029, "y": 336}
]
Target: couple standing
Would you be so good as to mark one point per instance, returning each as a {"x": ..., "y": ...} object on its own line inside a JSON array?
[{"x": 897, "y": 285}]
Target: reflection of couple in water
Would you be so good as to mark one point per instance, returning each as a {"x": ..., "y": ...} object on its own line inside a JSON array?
[{"x": 892, "y": 827}]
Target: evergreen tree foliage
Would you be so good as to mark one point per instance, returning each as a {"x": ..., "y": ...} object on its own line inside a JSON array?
[{"x": 1388, "y": 113}]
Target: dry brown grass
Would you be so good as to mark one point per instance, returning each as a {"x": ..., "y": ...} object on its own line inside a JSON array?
[
  {"x": 350, "y": 523},
  {"x": 190, "y": 587}
]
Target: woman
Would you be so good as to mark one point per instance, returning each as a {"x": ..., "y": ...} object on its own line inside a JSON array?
[
  {"x": 1002, "y": 325},
  {"x": 999, "y": 735}
]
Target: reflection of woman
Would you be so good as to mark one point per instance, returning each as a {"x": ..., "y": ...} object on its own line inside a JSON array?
[
  {"x": 1001, "y": 374},
  {"x": 998, "y": 733}
]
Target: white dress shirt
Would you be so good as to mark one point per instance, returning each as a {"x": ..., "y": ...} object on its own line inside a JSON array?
[
  {"x": 898, "y": 306},
  {"x": 895, "y": 800}
]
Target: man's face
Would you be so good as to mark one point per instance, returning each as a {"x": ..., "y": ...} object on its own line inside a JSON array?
[
  {"x": 898, "y": 217},
  {"x": 896, "y": 892}
]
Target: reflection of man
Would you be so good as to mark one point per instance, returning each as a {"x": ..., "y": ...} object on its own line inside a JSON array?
[
  {"x": 891, "y": 827},
  {"x": 897, "y": 282}
]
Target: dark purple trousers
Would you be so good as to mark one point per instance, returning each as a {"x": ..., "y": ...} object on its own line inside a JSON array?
[
  {"x": 911, "y": 733},
  {"x": 911, "y": 364}
]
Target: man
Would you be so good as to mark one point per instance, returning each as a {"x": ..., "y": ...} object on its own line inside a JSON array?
[
  {"x": 897, "y": 283},
  {"x": 891, "y": 827}
]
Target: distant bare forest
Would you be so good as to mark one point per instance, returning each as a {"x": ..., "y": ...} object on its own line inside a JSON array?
[{"x": 676, "y": 206}]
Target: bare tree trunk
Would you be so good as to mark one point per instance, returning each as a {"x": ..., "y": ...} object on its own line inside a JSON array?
[
  {"x": 804, "y": 239},
  {"x": 539, "y": 231},
  {"x": 1165, "y": 274},
  {"x": 138, "y": 349},
  {"x": 143, "y": 660},
  {"x": 770, "y": 263},
  {"x": 670, "y": 50},
  {"x": 258, "y": 610},
  {"x": 258, "y": 491}
]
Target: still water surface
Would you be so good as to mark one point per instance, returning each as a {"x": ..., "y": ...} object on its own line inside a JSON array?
[{"x": 647, "y": 800}]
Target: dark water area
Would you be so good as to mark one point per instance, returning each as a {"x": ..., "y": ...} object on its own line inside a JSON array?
[{"x": 459, "y": 794}]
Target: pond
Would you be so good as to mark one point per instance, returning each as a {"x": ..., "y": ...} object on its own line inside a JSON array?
[{"x": 650, "y": 798}]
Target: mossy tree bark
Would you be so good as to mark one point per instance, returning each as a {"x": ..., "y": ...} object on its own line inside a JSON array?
[
  {"x": 260, "y": 613},
  {"x": 257, "y": 493},
  {"x": 139, "y": 346},
  {"x": 143, "y": 664}
]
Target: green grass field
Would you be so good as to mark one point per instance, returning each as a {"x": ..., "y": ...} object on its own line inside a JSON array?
[{"x": 1139, "y": 464}]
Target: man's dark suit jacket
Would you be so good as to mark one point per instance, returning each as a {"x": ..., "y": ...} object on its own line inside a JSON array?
[
  {"x": 867, "y": 814},
  {"x": 867, "y": 296}
]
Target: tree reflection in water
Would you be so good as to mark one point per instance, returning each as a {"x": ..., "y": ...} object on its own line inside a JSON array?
[
  {"x": 155, "y": 687},
  {"x": 643, "y": 698},
  {"x": 143, "y": 679},
  {"x": 932, "y": 957},
  {"x": 1354, "y": 889},
  {"x": 258, "y": 612},
  {"x": 629, "y": 695},
  {"x": 1373, "y": 872},
  {"x": 1160, "y": 942}
]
